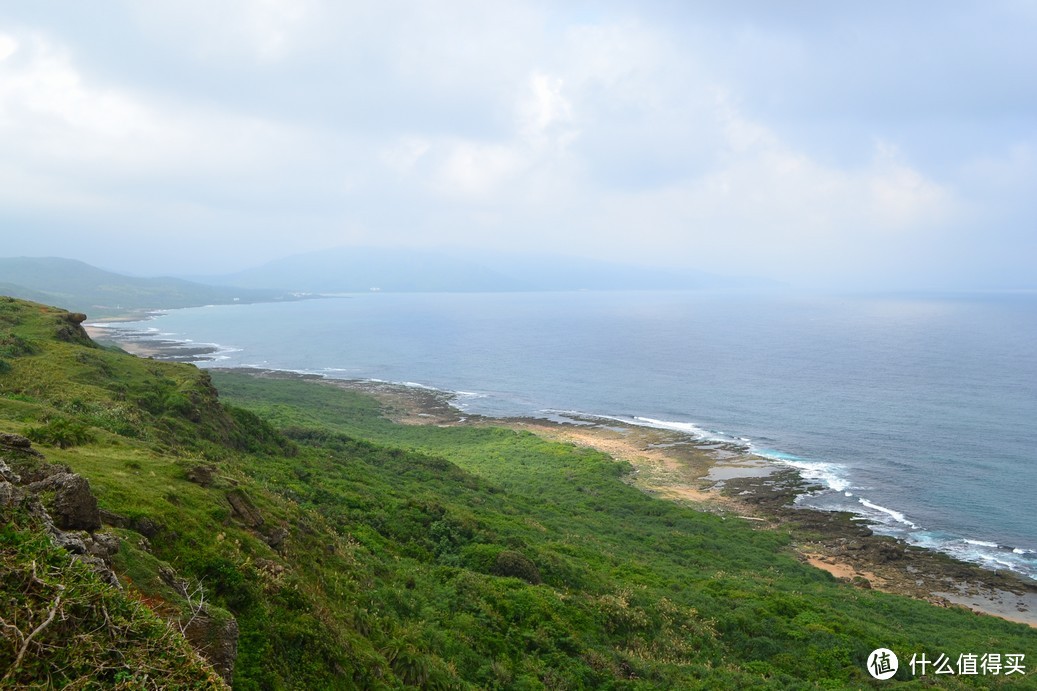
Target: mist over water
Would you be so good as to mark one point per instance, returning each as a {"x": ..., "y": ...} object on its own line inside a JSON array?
[{"x": 915, "y": 412}]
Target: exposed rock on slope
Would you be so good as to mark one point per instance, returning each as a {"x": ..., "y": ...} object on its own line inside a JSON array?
[
  {"x": 60, "y": 499},
  {"x": 62, "y": 503}
]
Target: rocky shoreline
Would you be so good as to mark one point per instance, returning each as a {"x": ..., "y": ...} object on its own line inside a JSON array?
[{"x": 719, "y": 478}]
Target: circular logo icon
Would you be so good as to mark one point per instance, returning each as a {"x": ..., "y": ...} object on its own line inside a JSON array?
[{"x": 883, "y": 663}]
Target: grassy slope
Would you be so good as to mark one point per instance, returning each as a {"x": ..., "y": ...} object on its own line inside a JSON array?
[
  {"x": 597, "y": 538},
  {"x": 449, "y": 558}
]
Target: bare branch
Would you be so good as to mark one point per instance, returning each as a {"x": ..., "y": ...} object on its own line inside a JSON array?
[
  {"x": 46, "y": 622},
  {"x": 196, "y": 605},
  {"x": 17, "y": 631}
]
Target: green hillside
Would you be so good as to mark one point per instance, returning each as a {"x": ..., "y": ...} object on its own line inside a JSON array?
[
  {"x": 352, "y": 552},
  {"x": 78, "y": 286}
]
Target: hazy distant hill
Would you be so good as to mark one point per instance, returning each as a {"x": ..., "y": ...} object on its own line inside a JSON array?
[
  {"x": 362, "y": 269},
  {"x": 79, "y": 286},
  {"x": 555, "y": 272},
  {"x": 352, "y": 270}
]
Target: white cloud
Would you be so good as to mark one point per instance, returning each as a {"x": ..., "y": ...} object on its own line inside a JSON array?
[
  {"x": 8, "y": 46},
  {"x": 264, "y": 31},
  {"x": 85, "y": 137},
  {"x": 765, "y": 205},
  {"x": 547, "y": 108},
  {"x": 496, "y": 171},
  {"x": 735, "y": 188},
  {"x": 403, "y": 155},
  {"x": 903, "y": 198},
  {"x": 45, "y": 106}
]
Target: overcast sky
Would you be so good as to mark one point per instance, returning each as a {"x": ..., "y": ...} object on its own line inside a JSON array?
[{"x": 868, "y": 144}]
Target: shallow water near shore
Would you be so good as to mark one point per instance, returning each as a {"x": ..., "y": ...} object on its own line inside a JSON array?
[{"x": 916, "y": 413}]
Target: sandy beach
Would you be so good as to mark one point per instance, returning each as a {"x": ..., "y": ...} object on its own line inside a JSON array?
[
  {"x": 148, "y": 346},
  {"x": 138, "y": 348}
]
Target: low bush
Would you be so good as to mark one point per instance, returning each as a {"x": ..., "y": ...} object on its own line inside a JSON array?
[{"x": 62, "y": 433}]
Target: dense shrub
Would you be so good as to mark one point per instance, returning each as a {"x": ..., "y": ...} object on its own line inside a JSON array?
[
  {"x": 516, "y": 565},
  {"x": 62, "y": 433},
  {"x": 13, "y": 345},
  {"x": 253, "y": 434}
]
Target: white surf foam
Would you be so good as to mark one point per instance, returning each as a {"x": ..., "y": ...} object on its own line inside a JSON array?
[
  {"x": 416, "y": 385},
  {"x": 686, "y": 427},
  {"x": 980, "y": 543},
  {"x": 895, "y": 515},
  {"x": 830, "y": 475},
  {"x": 990, "y": 554}
]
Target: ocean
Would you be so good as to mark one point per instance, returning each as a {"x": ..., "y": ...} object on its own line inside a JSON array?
[{"x": 919, "y": 413}]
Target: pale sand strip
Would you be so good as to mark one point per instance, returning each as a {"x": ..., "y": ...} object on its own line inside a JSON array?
[{"x": 138, "y": 348}]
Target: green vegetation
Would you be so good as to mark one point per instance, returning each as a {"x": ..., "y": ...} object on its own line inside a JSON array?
[{"x": 354, "y": 552}]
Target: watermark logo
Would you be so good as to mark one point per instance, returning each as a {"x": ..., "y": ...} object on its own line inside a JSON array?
[
  {"x": 994, "y": 664},
  {"x": 883, "y": 663}
]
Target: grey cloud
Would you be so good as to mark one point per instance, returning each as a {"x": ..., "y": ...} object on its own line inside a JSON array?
[{"x": 871, "y": 143}]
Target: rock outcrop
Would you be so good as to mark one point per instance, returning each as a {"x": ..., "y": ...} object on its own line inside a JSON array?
[
  {"x": 216, "y": 639},
  {"x": 18, "y": 444},
  {"x": 9, "y": 493},
  {"x": 244, "y": 508},
  {"x": 74, "y": 507},
  {"x": 211, "y": 631},
  {"x": 70, "y": 329},
  {"x": 276, "y": 536},
  {"x": 202, "y": 475},
  {"x": 60, "y": 500}
]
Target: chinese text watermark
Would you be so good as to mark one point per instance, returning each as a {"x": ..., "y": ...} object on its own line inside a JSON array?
[{"x": 883, "y": 664}]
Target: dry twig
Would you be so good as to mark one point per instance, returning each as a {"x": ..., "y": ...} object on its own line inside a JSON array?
[{"x": 28, "y": 639}]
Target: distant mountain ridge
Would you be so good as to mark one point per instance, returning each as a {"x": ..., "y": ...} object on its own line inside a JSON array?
[
  {"x": 350, "y": 270},
  {"x": 76, "y": 285},
  {"x": 354, "y": 269}
]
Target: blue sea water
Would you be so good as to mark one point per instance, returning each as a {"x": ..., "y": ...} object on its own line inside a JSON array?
[{"x": 919, "y": 413}]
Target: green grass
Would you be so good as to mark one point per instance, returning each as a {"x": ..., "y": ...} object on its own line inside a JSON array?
[{"x": 444, "y": 557}]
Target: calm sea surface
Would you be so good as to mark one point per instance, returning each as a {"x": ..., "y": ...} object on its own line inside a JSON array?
[{"x": 918, "y": 413}]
